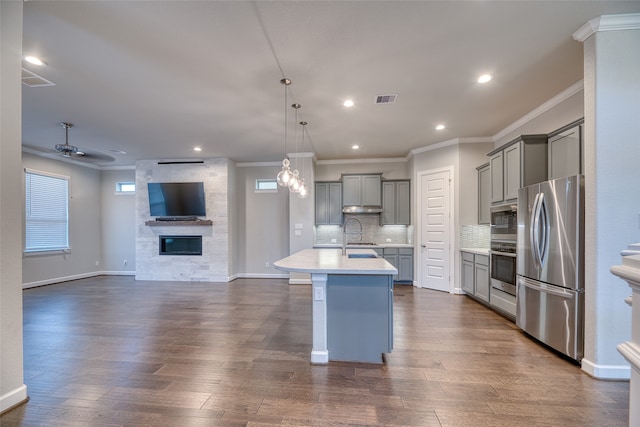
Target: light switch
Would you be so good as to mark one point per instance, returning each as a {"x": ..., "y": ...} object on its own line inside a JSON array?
[
  {"x": 298, "y": 226},
  {"x": 318, "y": 294},
  {"x": 298, "y": 232}
]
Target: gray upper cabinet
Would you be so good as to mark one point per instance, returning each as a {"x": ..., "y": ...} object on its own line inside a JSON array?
[
  {"x": 517, "y": 164},
  {"x": 565, "y": 151},
  {"x": 396, "y": 203},
  {"x": 328, "y": 203},
  {"x": 361, "y": 190},
  {"x": 496, "y": 178},
  {"x": 484, "y": 193}
]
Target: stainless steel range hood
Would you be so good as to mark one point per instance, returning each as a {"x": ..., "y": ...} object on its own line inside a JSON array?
[{"x": 361, "y": 210}]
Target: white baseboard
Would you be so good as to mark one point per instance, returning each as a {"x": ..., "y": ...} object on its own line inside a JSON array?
[
  {"x": 261, "y": 276},
  {"x": 606, "y": 372},
  {"x": 133, "y": 273},
  {"x": 13, "y": 398},
  {"x": 76, "y": 277}
]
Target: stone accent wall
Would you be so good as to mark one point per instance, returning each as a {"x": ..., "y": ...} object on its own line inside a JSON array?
[{"x": 213, "y": 264}]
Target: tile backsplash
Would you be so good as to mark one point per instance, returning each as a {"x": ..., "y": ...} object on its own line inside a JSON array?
[
  {"x": 474, "y": 236},
  {"x": 372, "y": 231}
]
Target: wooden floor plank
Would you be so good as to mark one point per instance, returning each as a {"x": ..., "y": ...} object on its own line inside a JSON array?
[{"x": 112, "y": 351}]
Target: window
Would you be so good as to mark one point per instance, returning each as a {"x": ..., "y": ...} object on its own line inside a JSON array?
[
  {"x": 125, "y": 187},
  {"x": 266, "y": 185},
  {"x": 46, "y": 212}
]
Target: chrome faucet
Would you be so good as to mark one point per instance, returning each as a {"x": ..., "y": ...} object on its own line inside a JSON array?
[{"x": 345, "y": 233}]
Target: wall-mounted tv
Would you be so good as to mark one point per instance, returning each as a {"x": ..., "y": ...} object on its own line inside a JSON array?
[{"x": 176, "y": 199}]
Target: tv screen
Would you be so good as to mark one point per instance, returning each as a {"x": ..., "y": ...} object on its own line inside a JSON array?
[{"x": 176, "y": 199}]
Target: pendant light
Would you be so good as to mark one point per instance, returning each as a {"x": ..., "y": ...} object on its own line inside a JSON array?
[
  {"x": 285, "y": 175},
  {"x": 294, "y": 181},
  {"x": 303, "y": 191}
]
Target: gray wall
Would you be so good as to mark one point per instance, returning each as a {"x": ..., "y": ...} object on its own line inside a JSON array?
[
  {"x": 612, "y": 129},
  {"x": 263, "y": 223},
  {"x": 118, "y": 224},
  {"x": 85, "y": 226},
  {"x": 12, "y": 388},
  {"x": 390, "y": 168}
]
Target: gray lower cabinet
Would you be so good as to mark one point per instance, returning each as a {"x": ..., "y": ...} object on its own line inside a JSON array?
[
  {"x": 402, "y": 259},
  {"x": 396, "y": 207},
  {"x": 328, "y": 198},
  {"x": 359, "y": 317},
  {"x": 475, "y": 275}
]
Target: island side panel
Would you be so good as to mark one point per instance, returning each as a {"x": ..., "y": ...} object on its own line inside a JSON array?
[
  {"x": 359, "y": 317},
  {"x": 319, "y": 352}
]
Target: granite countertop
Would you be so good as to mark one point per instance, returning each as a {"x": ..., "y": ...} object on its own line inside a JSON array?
[
  {"x": 331, "y": 261},
  {"x": 477, "y": 251}
]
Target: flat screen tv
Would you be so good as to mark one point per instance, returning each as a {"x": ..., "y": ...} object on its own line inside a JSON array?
[{"x": 176, "y": 199}]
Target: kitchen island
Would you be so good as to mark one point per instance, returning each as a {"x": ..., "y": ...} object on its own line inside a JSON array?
[{"x": 352, "y": 303}]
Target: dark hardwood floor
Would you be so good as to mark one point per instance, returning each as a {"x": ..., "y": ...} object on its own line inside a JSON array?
[{"x": 110, "y": 351}]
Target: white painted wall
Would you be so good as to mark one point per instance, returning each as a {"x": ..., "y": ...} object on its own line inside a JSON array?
[
  {"x": 85, "y": 226},
  {"x": 12, "y": 388},
  {"x": 118, "y": 224},
  {"x": 612, "y": 129}
]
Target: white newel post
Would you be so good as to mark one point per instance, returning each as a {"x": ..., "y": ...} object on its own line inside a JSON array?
[{"x": 630, "y": 272}]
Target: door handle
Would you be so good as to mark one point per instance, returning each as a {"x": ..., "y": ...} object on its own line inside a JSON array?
[{"x": 424, "y": 246}]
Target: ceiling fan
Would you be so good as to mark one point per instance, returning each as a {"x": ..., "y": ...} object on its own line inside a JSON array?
[{"x": 71, "y": 151}]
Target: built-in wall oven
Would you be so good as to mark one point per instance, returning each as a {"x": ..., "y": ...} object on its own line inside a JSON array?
[{"x": 504, "y": 231}]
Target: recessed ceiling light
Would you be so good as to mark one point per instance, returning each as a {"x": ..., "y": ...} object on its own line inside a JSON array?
[
  {"x": 485, "y": 78},
  {"x": 197, "y": 149},
  {"x": 440, "y": 127},
  {"x": 34, "y": 60},
  {"x": 355, "y": 147},
  {"x": 348, "y": 103}
]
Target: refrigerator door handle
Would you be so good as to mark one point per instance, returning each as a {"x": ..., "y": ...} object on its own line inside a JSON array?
[
  {"x": 546, "y": 289},
  {"x": 533, "y": 231},
  {"x": 543, "y": 224}
]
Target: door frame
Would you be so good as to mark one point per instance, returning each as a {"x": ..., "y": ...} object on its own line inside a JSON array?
[{"x": 452, "y": 216}]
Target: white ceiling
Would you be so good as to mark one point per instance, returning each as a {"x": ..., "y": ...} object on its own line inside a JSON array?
[{"x": 155, "y": 78}]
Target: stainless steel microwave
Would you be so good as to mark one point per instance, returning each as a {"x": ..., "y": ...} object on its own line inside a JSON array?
[{"x": 504, "y": 223}]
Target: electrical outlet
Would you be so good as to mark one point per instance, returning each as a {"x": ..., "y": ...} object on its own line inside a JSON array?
[
  {"x": 334, "y": 240},
  {"x": 266, "y": 264},
  {"x": 388, "y": 240},
  {"x": 125, "y": 262}
]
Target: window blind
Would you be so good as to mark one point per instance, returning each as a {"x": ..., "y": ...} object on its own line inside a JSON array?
[{"x": 46, "y": 212}]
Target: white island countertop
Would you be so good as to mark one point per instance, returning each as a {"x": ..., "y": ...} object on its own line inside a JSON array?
[{"x": 331, "y": 261}]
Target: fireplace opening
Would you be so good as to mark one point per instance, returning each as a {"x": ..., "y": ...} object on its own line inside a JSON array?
[{"x": 180, "y": 245}]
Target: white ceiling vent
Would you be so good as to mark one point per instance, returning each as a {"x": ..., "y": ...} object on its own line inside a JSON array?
[
  {"x": 386, "y": 99},
  {"x": 31, "y": 79}
]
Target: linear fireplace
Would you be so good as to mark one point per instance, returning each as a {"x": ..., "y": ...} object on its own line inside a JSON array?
[{"x": 180, "y": 245}]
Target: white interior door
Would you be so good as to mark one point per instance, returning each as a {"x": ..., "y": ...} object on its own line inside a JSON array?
[{"x": 435, "y": 230}]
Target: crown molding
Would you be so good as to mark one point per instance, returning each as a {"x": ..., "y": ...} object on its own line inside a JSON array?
[
  {"x": 351, "y": 161},
  {"x": 562, "y": 96},
  {"x": 627, "y": 21}
]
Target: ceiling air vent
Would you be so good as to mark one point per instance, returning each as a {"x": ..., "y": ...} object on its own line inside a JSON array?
[
  {"x": 386, "y": 99},
  {"x": 31, "y": 79}
]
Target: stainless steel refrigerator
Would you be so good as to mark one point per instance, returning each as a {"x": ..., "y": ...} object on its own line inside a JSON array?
[{"x": 550, "y": 264}]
